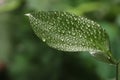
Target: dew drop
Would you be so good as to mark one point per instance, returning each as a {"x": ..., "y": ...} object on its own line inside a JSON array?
[
  {"x": 43, "y": 39},
  {"x": 28, "y": 14},
  {"x": 92, "y": 53},
  {"x": 73, "y": 34},
  {"x": 91, "y": 40},
  {"x": 62, "y": 39}
]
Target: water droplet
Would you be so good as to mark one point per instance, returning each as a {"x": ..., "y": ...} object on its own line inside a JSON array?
[
  {"x": 80, "y": 36},
  {"x": 88, "y": 25},
  {"x": 73, "y": 34},
  {"x": 43, "y": 39},
  {"x": 75, "y": 18},
  {"x": 91, "y": 39},
  {"x": 62, "y": 39},
  {"x": 92, "y": 53},
  {"x": 28, "y": 14}
]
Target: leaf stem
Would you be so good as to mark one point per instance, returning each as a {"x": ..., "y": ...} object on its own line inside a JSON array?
[{"x": 118, "y": 71}]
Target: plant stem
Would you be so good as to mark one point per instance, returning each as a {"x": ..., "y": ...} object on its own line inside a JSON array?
[{"x": 118, "y": 71}]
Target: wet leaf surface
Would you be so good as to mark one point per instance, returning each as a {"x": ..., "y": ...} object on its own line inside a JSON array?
[{"x": 68, "y": 32}]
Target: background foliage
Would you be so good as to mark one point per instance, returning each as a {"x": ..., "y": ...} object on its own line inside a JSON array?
[{"x": 24, "y": 57}]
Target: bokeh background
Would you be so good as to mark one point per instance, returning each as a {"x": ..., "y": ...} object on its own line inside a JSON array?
[{"x": 25, "y": 57}]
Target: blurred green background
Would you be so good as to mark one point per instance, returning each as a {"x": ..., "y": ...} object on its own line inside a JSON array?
[{"x": 25, "y": 57}]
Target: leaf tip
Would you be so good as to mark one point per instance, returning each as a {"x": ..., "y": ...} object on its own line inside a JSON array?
[{"x": 28, "y": 14}]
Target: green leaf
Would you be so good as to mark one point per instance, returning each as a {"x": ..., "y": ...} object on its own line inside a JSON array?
[{"x": 68, "y": 32}]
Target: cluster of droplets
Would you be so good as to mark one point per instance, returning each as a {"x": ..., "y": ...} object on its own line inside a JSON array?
[{"x": 68, "y": 32}]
